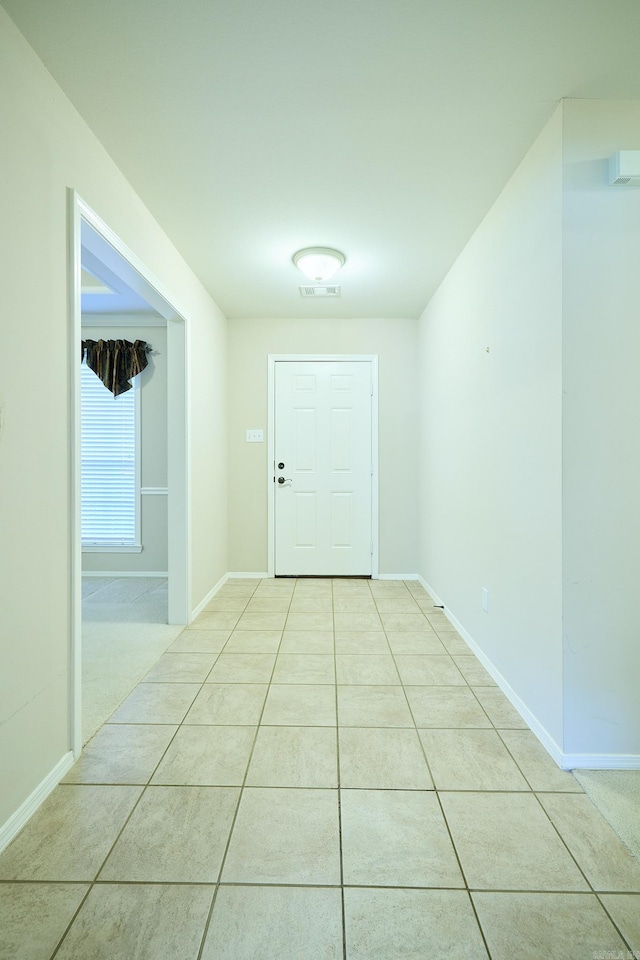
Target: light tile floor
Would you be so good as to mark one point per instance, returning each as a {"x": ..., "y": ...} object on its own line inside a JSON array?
[{"x": 317, "y": 770}]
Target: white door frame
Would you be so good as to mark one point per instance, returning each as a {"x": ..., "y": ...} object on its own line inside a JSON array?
[
  {"x": 271, "y": 414},
  {"x": 178, "y": 481}
]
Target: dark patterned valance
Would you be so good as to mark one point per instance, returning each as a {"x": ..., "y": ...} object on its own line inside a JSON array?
[{"x": 115, "y": 362}]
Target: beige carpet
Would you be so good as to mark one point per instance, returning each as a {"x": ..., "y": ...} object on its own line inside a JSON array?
[
  {"x": 124, "y": 632},
  {"x": 115, "y": 657},
  {"x": 616, "y": 794}
]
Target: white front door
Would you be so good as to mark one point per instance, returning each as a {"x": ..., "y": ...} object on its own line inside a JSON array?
[{"x": 323, "y": 467}]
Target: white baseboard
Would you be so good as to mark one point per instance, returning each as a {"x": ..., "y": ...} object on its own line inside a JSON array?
[
  {"x": 566, "y": 761},
  {"x": 16, "y": 821},
  {"x": 429, "y": 589},
  {"x": 397, "y": 576},
  {"x": 221, "y": 582},
  {"x": 123, "y": 574},
  {"x": 605, "y": 761},
  {"x": 248, "y": 576},
  {"x": 529, "y": 718}
]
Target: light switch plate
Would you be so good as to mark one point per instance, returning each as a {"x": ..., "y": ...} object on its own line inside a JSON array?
[{"x": 255, "y": 436}]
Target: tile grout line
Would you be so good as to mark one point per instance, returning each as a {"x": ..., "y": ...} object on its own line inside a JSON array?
[
  {"x": 534, "y": 792},
  {"x": 71, "y": 922},
  {"x": 228, "y": 786},
  {"x": 218, "y": 882},
  {"x": 135, "y": 806},
  {"x": 515, "y": 760},
  {"x": 633, "y": 894},
  {"x": 340, "y": 848},
  {"x": 207, "y": 922},
  {"x": 435, "y": 789},
  {"x": 444, "y": 818},
  {"x": 590, "y": 891},
  {"x": 446, "y": 822},
  {"x": 144, "y": 786},
  {"x": 93, "y": 882},
  {"x": 625, "y": 940}
]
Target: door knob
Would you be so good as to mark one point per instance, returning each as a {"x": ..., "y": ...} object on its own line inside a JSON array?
[{"x": 284, "y": 480}]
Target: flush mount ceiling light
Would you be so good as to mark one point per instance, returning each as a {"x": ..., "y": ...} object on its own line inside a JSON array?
[{"x": 319, "y": 263}]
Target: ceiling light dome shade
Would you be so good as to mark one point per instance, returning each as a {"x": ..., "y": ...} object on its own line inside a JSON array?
[{"x": 319, "y": 263}]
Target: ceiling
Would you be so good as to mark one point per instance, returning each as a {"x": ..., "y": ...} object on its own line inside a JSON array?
[
  {"x": 111, "y": 287},
  {"x": 103, "y": 292},
  {"x": 252, "y": 128}
]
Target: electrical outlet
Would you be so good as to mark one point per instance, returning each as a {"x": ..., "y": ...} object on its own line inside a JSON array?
[
  {"x": 485, "y": 600},
  {"x": 255, "y": 436}
]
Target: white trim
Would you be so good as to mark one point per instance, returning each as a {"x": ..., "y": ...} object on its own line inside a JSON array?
[
  {"x": 75, "y": 486},
  {"x": 260, "y": 575},
  {"x": 397, "y": 576},
  {"x": 109, "y": 245},
  {"x": 26, "y": 810},
  {"x": 112, "y": 548},
  {"x": 566, "y": 761},
  {"x": 179, "y": 472},
  {"x": 125, "y": 574},
  {"x": 221, "y": 582},
  {"x": 604, "y": 761},
  {"x": 274, "y": 358},
  {"x": 244, "y": 575},
  {"x": 328, "y": 357},
  {"x": 271, "y": 459},
  {"x": 122, "y": 320},
  {"x": 529, "y": 718},
  {"x": 375, "y": 479},
  {"x": 137, "y": 396},
  {"x": 154, "y": 491}
]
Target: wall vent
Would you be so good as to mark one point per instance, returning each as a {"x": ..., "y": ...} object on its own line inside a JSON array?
[{"x": 318, "y": 290}]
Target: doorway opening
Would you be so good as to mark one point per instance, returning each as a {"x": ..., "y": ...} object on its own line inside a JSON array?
[{"x": 113, "y": 295}]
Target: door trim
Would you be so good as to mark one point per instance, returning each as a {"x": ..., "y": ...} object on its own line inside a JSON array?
[
  {"x": 272, "y": 359},
  {"x": 178, "y": 452}
]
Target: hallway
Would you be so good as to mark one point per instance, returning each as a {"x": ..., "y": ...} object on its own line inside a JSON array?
[{"x": 317, "y": 770}]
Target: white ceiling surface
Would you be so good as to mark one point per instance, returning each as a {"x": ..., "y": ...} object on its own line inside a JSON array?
[
  {"x": 252, "y": 128},
  {"x": 124, "y": 290},
  {"x": 104, "y": 292}
]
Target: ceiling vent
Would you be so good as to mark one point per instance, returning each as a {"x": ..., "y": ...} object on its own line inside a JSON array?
[
  {"x": 320, "y": 291},
  {"x": 624, "y": 167}
]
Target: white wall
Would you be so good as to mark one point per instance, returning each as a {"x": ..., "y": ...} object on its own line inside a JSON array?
[
  {"x": 250, "y": 343},
  {"x": 153, "y": 453},
  {"x": 601, "y": 378},
  {"x": 47, "y": 148},
  {"x": 490, "y": 481}
]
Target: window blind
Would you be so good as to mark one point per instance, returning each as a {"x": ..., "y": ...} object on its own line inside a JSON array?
[{"x": 109, "y": 464}]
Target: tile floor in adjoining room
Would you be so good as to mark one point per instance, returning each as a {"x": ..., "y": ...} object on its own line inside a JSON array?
[{"x": 317, "y": 770}]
